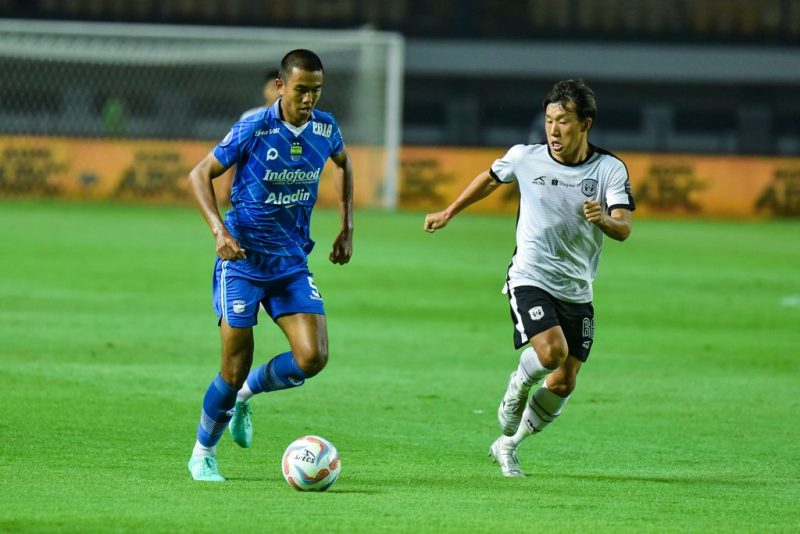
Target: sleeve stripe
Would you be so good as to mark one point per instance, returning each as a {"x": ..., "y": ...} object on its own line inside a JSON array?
[
  {"x": 630, "y": 207},
  {"x": 493, "y": 175}
]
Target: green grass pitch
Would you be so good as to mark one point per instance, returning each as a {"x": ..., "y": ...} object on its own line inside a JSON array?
[{"x": 685, "y": 417}]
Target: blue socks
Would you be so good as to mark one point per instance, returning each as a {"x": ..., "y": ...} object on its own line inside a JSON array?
[
  {"x": 219, "y": 400},
  {"x": 281, "y": 372}
]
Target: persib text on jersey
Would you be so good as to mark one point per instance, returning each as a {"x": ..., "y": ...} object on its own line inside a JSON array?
[{"x": 320, "y": 128}]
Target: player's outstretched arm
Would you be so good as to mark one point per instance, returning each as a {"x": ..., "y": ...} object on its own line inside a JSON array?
[
  {"x": 480, "y": 187},
  {"x": 200, "y": 180},
  {"x": 343, "y": 176},
  {"x": 616, "y": 225}
]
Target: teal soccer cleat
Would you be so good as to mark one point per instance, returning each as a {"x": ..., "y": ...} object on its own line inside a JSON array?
[
  {"x": 204, "y": 468},
  {"x": 240, "y": 425}
]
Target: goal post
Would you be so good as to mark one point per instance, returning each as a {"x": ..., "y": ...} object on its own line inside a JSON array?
[{"x": 128, "y": 82}]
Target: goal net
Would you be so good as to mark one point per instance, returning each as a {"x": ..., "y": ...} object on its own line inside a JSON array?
[{"x": 114, "y": 85}]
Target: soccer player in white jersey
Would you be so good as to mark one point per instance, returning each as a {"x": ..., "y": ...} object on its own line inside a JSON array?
[
  {"x": 262, "y": 249},
  {"x": 572, "y": 194}
]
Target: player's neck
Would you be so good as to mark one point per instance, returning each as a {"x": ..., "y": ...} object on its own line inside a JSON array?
[{"x": 297, "y": 122}]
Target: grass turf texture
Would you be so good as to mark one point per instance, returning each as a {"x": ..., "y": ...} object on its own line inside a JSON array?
[{"x": 685, "y": 417}]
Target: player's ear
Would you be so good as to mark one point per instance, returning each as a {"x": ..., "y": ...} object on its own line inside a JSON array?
[
  {"x": 279, "y": 86},
  {"x": 587, "y": 124}
]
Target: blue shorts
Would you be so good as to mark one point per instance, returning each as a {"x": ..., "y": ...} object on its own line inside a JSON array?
[{"x": 281, "y": 284}]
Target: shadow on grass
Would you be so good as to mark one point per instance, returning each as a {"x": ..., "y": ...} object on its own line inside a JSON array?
[
  {"x": 666, "y": 479},
  {"x": 335, "y": 489}
]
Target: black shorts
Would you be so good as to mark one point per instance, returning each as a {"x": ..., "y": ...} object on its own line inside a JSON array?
[{"x": 534, "y": 310}]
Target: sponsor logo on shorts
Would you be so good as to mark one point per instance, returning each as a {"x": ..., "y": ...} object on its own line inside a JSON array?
[
  {"x": 587, "y": 344},
  {"x": 238, "y": 306},
  {"x": 536, "y": 313}
]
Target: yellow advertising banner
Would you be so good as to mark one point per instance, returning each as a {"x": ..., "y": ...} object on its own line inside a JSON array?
[
  {"x": 152, "y": 171},
  {"x": 664, "y": 185}
]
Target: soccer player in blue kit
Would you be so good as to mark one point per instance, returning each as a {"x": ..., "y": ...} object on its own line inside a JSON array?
[{"x": 262, "y": 248}]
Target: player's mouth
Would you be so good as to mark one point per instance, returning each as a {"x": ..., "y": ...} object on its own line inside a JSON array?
[{"x": 555, "y": 145}]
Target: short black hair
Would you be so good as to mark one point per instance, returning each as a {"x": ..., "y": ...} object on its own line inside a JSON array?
[
  {"x": 575, "y": 91},
  {"x": 271, "y": 75},
  {"x": 301, "y": 59}
]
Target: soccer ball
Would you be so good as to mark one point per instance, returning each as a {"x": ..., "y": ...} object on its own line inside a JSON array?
[{"x": 311, "y": 463}]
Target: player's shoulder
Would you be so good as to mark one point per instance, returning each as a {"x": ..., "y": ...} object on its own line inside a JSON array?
[
  {"x": 609, "y": 159},
  {"x": 253, "y": 121},
  {"x": 607, "y": 154},
  {"x": 524, "y": 150}
]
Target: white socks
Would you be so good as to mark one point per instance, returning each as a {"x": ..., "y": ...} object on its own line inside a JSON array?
[
  {"x": 529, "y": 372},
  {"x": 201, "y": 450},
  {"x": 542, "y": 409},
  {"x": 245, "y": 393}
]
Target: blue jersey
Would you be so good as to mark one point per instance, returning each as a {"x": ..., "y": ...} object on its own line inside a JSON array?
[{"x": 277, "y": 178}]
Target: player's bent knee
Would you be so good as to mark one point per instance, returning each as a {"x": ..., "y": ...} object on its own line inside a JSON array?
[
  {"x": 234, "y": 377},
  {"x": 552, "y": 355},
  {"x": 312, "y": 362}
]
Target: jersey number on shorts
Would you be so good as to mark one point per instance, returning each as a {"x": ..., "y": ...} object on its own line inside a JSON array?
[{"x": 314, "y": 291}]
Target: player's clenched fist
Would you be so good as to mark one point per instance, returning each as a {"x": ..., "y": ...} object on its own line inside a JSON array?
[
  {"x": 228, "y": 248},
  {"x": 593, "y": 211},
  {"x": 434, "y": 221}
]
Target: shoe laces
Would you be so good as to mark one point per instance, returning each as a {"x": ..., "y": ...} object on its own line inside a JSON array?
[
  {"x": 509, "y": 455},
  {"x": 512, "y": 404},
  {"x": 242, "y": 410},
  {"x": 209, "y": 465}
]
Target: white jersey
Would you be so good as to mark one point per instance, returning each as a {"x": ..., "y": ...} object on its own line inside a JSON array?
[{"x": 557, "y": 248}]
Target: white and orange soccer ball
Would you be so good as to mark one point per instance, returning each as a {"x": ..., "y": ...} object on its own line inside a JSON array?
[{"x": 311, "y": 463}]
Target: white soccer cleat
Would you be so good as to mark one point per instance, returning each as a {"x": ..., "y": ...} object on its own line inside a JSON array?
[
  {"x": 511, "y": 408},
  {"x": 504, "y": 453}
]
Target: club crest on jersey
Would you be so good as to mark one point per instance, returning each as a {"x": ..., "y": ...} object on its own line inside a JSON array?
[
  {"x": 589, "y": 187},
  {"x": 320, "y": 128},
  {"x": 296, "y": 151}
]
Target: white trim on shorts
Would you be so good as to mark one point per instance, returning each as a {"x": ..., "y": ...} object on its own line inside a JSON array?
[
  {"x": 223, "y": 290},
  {"x": 518, "y": 323}
]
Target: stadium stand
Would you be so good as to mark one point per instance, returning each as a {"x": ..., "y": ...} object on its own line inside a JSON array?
[{"x": 708, "y": 76}]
